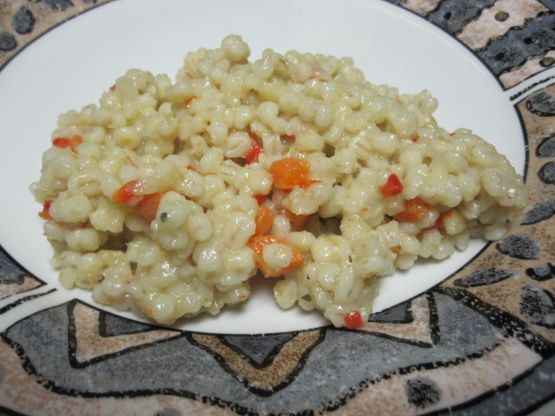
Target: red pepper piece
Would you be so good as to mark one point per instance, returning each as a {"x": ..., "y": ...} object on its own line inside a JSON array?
[
  {"x": 148, "y": 207},
  {"x": 72, "y": 142},
  {"x": 353, "y": 320},
  {"x": 129, "y": 193},
  {"x": 45, "y": 213},
  {"x": 253, "y": 153},
  {"x": 260, "y": 199},
  {"x": 392, "y": 187}
]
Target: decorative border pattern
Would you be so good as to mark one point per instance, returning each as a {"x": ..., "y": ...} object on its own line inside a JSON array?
[{"x": 481, "y": 342}]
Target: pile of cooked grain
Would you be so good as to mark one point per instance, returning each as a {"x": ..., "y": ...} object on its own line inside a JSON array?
[{"x": 168, "y": 197}]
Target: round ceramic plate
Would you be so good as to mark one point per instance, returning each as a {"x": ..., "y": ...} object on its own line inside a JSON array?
[{"x": 473, "y": 334}]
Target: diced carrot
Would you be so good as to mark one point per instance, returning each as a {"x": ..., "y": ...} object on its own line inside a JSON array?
[
  {"x": 415, "y": 138},
  {"x": 148, "y": 207},
  {"x": 296, "y": 261},
  {"x": 191, "y": 167},
  {"x": 297, "y": 221},
  {"x": 72, "y": 142},
  {"x": 260, "y": 199},
  {"x": 75, "y": 141},
  {"x": 291, "y": 172},
  {"x": 253, "y": 153},
  {"x": 257, "y": 244},
  {"x": 263, "y": 220},
  {"x": 440, "y": 221},
  {"x": 45, "y": 213},
  {"x": 392, "y": 187},
  {"x": 415, "y": 210},
  {"x": 353, "y": 320},
  {"x": 129, "y": 193}
]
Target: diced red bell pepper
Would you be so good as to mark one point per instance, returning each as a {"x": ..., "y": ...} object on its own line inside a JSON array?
[
  {"x": 253, "y": 153},
  {"x": 392, "y": 187},
  {"x": 260, "y": 199},
  {"x": 353, "y": 320},
  {"x": 148, "y": 207},
  {"x": 45, "y": 213},
  {"x": 129, "y": 193},
  {"x": 72, "y": 142}
]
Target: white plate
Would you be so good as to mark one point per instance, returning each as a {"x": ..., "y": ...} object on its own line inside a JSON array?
[{"x": 71, "y": 65}]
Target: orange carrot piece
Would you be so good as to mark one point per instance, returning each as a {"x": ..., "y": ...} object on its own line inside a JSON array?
[
  {"x": 440, "y": 221},
  {"x": 296, "y": 261},
  {"x": 291, "y": 172},
  {"x": 297, "y": 221},
  {"x": 263, "y": 220},
  {"x": 257, "y": 244},
  {"x": 415, "y": 210}
]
